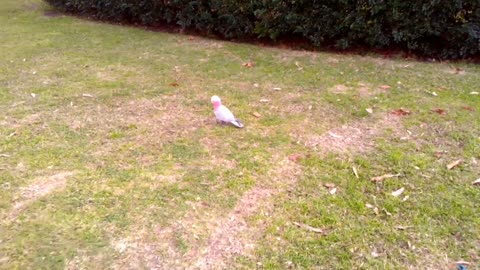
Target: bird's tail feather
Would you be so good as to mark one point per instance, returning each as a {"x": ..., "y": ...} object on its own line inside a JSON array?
[{"x": 237, "y": 123}]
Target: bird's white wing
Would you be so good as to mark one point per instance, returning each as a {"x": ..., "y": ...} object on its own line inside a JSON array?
[{"x": 224, "y": 114}]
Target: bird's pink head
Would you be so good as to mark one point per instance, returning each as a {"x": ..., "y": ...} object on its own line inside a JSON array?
[{"x": 216, "y": 102}]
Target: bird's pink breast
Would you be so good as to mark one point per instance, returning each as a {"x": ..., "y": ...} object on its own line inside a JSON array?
[{"x": 216, "y": 105}]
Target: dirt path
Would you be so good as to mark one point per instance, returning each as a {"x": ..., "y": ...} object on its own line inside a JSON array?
[
  {"x": 231, "y": 235},
  {"x": 39, "y": 188}
]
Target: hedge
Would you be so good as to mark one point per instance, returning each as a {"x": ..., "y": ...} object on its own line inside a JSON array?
[{"x": 445, "y": 29}]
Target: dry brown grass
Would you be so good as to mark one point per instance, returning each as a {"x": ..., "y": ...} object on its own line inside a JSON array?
[
  {"x": 39, "y": 188},
  {"x": 355, "y": 137},
  {"x": 215, "y": 238}
]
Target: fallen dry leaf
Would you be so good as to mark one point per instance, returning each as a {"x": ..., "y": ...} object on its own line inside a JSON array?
[
  {"x": 398, "y": 192},
  {"x": 369, "y": 110},
  {"x": 248, "y": 64},
  {"x": 439, "y": 154},
  {"x": 333, "y": 191},
  {"x": 468, "y": 108},
  {"x": 386, "y": 212},
  {"x": 33, "y": 95},
  {"x": 256, "y": 85},
  {"x": 369, "y": 206},
  {"x": 375, "y": 210},
  {"x": 476, "y": 182},
  {"x": 405, "y": 198},
  {"x": 277, "y": 88},
  {"x": 87, "y": 95},
  {"x": 355, "y": 172},
  {"x": 256, "y": 114},
  {"x": 400, "y": 112},
  {"x": 174, "y": 84},
  {"x": 459, "y": 70},
  {"x": 309, "y": 228},
  {"x": 454, "y": 164},
  {"x": 375, "y": 254},
  {"x": 434, "y": 94},
  {"x": 295, "y": 157},
  {"x": 440, "y": 111},
  {"x": 384, "y": 87},
  {"x": 473, "y": 93},
  {"x": 264, "y": 100},
  {"x": 383, "y": 177}
]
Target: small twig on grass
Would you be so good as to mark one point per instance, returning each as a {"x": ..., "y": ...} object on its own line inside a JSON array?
[
  {"x": 309, "y": 228},
  {"x": 335, "y": 135},
  {"x": 383, "y": 177},
  {"x": 18, "y": 103},
  {"x": 398, "y": 192}
]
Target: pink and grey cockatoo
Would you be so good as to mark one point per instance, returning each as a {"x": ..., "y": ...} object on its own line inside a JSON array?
[{"x": 223, "y": 114}]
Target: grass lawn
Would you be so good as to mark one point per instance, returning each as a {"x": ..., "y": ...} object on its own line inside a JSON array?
[{"x": 110, "y": 156}]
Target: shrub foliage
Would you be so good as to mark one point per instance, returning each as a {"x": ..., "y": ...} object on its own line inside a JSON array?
[{"x": 446, "y": 29}]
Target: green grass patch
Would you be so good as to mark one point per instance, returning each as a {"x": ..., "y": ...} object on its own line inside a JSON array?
[{"x": 127, "y": 112}]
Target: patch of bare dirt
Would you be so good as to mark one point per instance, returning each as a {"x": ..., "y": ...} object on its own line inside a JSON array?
[
  {"x": 154, "y": 118},
  {"x": 388, "y": 63},
  {"x": 333, "y": 60},
  {"x": 228, "y": 238},
  {"x": 140, "y": 252},
  {"x": 211, "y": 44},
  {"x": 85, "y": 261},
  {"x": 215, "y": 147},
  {"x": 28, "y": 120},
  {"x": 41, "y": 187},
  {"x": 158, "y": 247},
  {"x": 300, "y": 55},
  {"x": 213, "y": 238},
  {"x": 232, "y": 235},
  {"x": 366, "y": 90},
  {"x": 339, "y": 89},
  {"x": 455, "y": 71},
  {"x": 362, "y": 90},
  {"x": 355, "y": 137}
]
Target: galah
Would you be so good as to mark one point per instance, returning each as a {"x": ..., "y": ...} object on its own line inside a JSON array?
[{"x": 223, "y": 114}]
